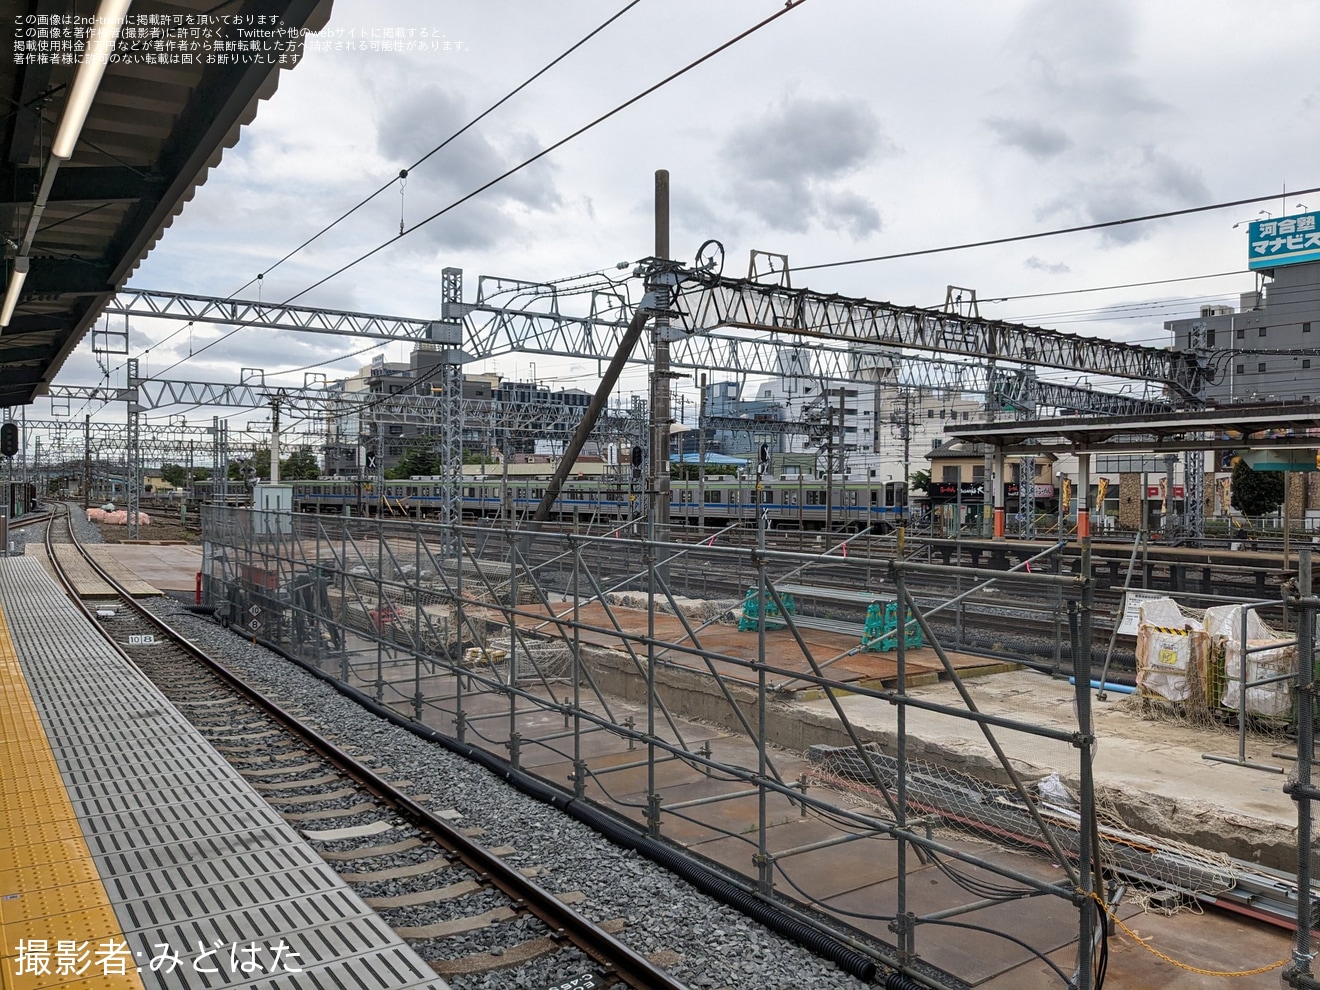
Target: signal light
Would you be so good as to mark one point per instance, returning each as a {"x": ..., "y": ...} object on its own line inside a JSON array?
[{"x": 9, "y": 439}]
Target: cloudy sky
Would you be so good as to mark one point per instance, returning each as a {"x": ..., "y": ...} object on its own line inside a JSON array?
[{"x": 846, "y": 129}]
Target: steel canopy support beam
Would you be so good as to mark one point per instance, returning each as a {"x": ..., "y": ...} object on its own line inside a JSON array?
[
  {"x": 82, "y": 184},
  {"x": 67, "y": 277},
  {"x": 218, "y": 105}
]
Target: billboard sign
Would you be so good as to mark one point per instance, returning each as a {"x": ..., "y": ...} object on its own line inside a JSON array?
[
  {"x": 974, "y": 491},
  {"x": 1283, "y": 241}
]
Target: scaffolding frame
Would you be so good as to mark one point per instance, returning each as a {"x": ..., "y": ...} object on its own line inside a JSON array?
[{"x": 482, "y": 633}]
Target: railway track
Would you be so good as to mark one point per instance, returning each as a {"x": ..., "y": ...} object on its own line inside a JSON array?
[
  {"x": 31, "y": 519},
  {"x": 460, "y": 905},
  {"x": 994, "y": 622}
]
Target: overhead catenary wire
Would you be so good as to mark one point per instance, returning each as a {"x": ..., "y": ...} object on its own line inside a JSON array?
[
  {"x": 1036, "y": 235},
  {"x": 403, "y": 173},
  {"x": 790, "y": 6},
  {"x": 1106, "y": 288}
]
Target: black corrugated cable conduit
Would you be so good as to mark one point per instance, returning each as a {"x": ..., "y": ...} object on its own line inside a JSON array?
[
  {"x": 898, "y": 981},
  {"x": 620, "y": 832}
]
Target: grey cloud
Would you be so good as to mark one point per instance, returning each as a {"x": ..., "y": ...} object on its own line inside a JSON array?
[
  {"x": 1100, "y": 32},
  {"x": 786, "y": 163},
  {"x": 409, "y": 127},
  {"x": 849, "y": 212},
  {"x": 1040, "y": 141},
  {"x": 1040, "y": 264},
  {"x": 1075, "y": 55},
  {"x": 815, "y": 138},
  {"x": 1146, "y": 181}
]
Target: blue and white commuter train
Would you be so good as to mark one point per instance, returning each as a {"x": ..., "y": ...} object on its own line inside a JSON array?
[{"x": 790, "y": 502}]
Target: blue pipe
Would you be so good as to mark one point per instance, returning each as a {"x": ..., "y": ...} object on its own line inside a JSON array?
[{"x": 1116, "y": 688}]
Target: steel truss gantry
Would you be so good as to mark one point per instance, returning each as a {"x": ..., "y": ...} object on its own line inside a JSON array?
[
  {"x": 720, "y": 326},
  {"x": 272, "y": 316},
  {"x": 706, "y": 303},
  {"x": 712, "y": 323},
  {"x": 191, "y": 446},
  {"x": 1028, "y": 395}
]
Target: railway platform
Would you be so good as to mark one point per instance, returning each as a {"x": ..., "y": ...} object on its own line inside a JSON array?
[{"x": 131, "y": 854}]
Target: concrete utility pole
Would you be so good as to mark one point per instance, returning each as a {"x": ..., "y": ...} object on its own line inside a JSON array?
[
  {"x": 701, "y": 455},
  {"x": 829, "y": 469},
  {"x": 274, "y": 441},
  {"x": 87, "y": 461},
  {"x": 134, "y": 486},
  {"x": 660, "y": 411}
]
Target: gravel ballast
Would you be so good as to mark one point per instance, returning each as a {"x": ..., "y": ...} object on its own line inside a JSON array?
[{"x": 705, "y": 944}]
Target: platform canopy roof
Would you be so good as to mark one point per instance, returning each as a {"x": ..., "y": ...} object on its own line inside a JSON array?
[
  {"x": 154, "y": 130},
  {"x": 1232, "y": 427},
  {"x": 724, "y": 459}
]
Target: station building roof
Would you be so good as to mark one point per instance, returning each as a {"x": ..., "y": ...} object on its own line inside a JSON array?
[
  {"x": 1230, "y": 427},
  {"x": 154, "y": 130}
]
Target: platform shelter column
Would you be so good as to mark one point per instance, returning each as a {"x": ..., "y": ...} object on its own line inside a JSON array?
[
  {"x": 997, "y": 487},
  {"x": 1083, "y": 507}
]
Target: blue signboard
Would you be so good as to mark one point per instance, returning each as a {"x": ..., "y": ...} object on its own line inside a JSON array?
[{"x": 1285, "y": 241}]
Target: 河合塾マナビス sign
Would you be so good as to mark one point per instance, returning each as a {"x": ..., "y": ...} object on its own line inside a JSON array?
[{"x": 1285, "y": 241}]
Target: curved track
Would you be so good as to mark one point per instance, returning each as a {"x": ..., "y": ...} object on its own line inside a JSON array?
[{"x": 454, "y": 885}]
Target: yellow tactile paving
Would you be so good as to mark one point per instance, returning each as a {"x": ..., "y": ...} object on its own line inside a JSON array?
[
  {"x": 57, "y": 928},
  {"x": 41, "y": 832},
  {"x": 64, "y": 872}
]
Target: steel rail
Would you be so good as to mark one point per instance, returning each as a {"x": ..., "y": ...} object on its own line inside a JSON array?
[
  {"x": 31, "y": 519},
  {"x": 609, "y": 952}
]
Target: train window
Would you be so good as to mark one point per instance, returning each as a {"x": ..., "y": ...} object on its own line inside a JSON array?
[
  {"x": 790, "y": 498},
  {"x": 813, "y": 498},
  {"x": 852, "y": 498},
  {"x": 715, "y": 496},
  {"x": 412, "y": 490},
  {"x": 875, "y": 497}
]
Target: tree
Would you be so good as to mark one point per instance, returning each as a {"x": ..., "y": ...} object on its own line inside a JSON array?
[
  {"x": 419, "y": 458},
  {"x": 1256, "y": 493},
  {"x": 919, "y": 480},
  {"x": 256, "y": 466},
  {"x": 691, "y": 472},
  {"x": 299, "y": 466},
  {"x": 177, "y": 475}
]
